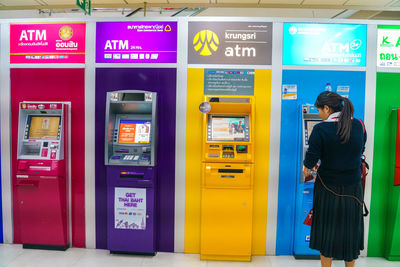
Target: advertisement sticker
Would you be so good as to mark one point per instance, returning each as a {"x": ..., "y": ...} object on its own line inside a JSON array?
[
  {"x": 388, "y": 46},
  {"x": 324, "y": 44},
  {"x": 130, "y": 208},
  {"x": 136, "y": 42},
  {"x": 47, "y": 43},
  {"x": 205, "y": 107},
  {"x": 248, "y": 43}
]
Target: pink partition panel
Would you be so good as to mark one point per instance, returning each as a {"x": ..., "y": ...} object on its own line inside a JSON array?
[{"x": 56, "y": 85}]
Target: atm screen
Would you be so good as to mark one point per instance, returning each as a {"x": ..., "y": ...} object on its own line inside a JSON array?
[
  {"x": 228, "y": 128},
  {"x": 134, "y": 132},
  {"x": 43, "y": 127}
]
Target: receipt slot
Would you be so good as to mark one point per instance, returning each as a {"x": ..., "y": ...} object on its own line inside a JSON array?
[
  {"x": 304, "y": 189},
  {"x": 130, "y": 159},
  {"x": 227, "y": 179},
  {"x": 42, "y": 175}
]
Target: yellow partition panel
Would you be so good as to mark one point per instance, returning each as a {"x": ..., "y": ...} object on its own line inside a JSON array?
[
  {"x": 194, "y": 127},
  {"x": 262, "y": 93}
]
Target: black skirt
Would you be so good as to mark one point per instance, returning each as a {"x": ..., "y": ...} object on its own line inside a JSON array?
[{"x": 337, "y": 229}]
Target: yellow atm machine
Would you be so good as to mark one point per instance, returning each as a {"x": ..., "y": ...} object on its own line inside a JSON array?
[{"x": 227, "y": 179}]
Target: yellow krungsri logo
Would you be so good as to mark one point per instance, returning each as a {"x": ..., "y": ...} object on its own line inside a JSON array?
[{"x": 206, "y": 42}]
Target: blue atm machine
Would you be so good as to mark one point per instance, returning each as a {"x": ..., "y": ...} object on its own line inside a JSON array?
[
  {"x": 298, "y": 117},
  {"x": 304, "y": 190}
]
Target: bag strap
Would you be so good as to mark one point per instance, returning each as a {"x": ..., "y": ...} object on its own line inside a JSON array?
[
  {"x": 362, "y": 203},
  {"x": 363, "y": 157},
  {"x": 362, "y": 125}
]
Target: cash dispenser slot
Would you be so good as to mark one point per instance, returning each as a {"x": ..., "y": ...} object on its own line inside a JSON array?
[
  {"x": 230, "y": 170},
  {"x": 131, "y": 175},
  {"x": 220, "y": 175},
  {"x": 42, "y": 168}
]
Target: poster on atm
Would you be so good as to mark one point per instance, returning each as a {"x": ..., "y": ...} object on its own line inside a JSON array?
[
  {"x": 136, "y": 42},
  {"x": 47, "y": 43},
  {"x": 388, "y": 54},
  {"x": 130, "y": 208},
  {"x": 324, "y": 44}
]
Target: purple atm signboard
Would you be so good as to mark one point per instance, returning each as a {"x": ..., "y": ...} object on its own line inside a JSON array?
[{"x": 136, "y": 42}]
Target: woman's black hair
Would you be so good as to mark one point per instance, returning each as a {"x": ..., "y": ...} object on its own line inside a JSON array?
[{"x": 338, "y": 103}]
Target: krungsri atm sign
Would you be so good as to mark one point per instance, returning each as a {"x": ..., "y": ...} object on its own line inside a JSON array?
[
  {"x": 47, "y": 43},
  {"x": 239, "y": 43}
]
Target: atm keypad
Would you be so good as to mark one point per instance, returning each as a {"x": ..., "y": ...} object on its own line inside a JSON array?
[{"x": 130, "y": 157}]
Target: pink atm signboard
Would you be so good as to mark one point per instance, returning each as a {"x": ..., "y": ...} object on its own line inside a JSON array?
[
  {"x": 136, "y": 42},
  {"x": 47, "y": 43}
]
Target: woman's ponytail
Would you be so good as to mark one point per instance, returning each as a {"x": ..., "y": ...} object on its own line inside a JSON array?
[
  {"x": 344, "y": 123},
  {"x": 338, "y": 103}
]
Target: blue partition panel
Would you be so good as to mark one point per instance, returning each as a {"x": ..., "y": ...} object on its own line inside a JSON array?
[{"x": 309, "y": 83}]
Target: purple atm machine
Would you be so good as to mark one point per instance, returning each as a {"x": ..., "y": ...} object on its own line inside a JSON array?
[{"x": 130, "y": 159}]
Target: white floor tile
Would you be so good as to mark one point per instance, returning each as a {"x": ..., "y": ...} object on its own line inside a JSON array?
[
  {"x": 256, "y": 261},
  {"x": 376, "y": 262},
  {"x": 174, "y": 260},
  {"x": 290, "y": 261},
  {"x": 103, "y": 258},
  {"x": 16, "y": 256},
  {"x": 46, "y": 258},
  {"x": 8, "y": 253}
]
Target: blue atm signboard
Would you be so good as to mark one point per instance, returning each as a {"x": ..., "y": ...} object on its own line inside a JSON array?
[{"x": 324, "y": 44}]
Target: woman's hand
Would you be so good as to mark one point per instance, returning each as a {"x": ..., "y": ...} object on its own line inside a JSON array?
[{"x": 306, "y": 171}]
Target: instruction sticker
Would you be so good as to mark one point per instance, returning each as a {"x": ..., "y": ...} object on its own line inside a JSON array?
[
  {"x": 343, "y": 90},
  {"x": 289, "y": 91}
]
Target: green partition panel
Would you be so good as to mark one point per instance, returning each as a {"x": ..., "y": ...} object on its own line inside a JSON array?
[{"x": 384, "y": 228}]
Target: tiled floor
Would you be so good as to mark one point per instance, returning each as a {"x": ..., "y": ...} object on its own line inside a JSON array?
[{"x": 15, "y": 256}]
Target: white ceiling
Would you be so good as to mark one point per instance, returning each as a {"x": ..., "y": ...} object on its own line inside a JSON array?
[
  {"x": 367, "y": 9},
  {"x": 344, "y": 3}
]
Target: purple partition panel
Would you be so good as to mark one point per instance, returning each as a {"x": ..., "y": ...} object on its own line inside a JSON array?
[{"x": 162, "y": 81}]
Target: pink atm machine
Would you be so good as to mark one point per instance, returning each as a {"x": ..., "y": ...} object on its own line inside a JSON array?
[{"x": 42, "y": 175}]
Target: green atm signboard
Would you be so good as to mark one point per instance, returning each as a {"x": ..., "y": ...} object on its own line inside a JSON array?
[
  {"x": 388, "y": 54},
  {"x": 85, "y": 5}
]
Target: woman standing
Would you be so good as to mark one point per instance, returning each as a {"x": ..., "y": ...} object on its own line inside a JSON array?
[{"x": 337, "y": 229}]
